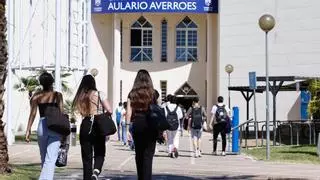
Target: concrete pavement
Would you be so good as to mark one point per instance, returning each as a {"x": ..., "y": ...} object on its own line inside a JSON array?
[{"x": 120, "y": 164}]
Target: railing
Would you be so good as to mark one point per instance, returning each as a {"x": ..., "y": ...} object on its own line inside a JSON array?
[{"x": 292, "y": 124}]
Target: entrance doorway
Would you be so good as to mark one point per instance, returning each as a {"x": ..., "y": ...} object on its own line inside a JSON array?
[{"x": 185, "y": 96}]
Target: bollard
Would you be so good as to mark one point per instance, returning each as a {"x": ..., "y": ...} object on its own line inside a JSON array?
[
  {"x": 73, "y": 134},
  {"x": 235, "y": 132}
]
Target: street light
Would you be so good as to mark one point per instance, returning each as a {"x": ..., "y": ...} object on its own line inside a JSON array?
[
  {"x": 266, "y": 23},
  {"x": 94, "y": 72},
  {"x": 229, "y": 69}
]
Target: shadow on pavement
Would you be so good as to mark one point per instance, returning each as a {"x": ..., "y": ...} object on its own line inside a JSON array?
[{"x": 131, "y": 175}]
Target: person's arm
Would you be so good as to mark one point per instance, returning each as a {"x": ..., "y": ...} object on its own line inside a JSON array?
[
  {"x": 60, "y": 101},
  {"x": 105, "y": 103},
  {"x": 189, "y": 118},
  {"x": 33, "y": 112},
  {"x": 204, "y": 113},
  {"x": 129, "y": 111},
  {"x": 213, "y": 114}
]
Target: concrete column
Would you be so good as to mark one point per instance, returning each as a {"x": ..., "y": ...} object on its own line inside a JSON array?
[
  {"x": 210, "y": 60},
  {"x": 116, "y": 60}
]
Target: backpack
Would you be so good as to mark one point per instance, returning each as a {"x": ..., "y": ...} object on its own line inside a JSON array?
[
  {"x": 172, "y": 118},
  {"x": 118, "y": 115},
  {"x": 196, "y": 118},
  {"x": 221, "y": 114}
]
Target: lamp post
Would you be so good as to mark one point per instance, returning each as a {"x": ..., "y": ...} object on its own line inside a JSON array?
[
  {"x": 266, "y": 23},
  {"x": 94, "y": 72},
  {"x": 229, "y": 69}
]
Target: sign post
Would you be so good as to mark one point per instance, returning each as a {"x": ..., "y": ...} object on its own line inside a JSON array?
[{"x": 253, "y": 86}]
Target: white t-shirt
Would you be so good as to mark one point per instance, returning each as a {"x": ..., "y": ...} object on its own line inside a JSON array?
[
  {"x": 214, "y": 109},
  {"x": 171, "y": 107},
  {"x": 123, "y": 115}
]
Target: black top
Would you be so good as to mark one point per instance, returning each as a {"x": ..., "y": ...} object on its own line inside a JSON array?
[{"x": 43, "y": 106}]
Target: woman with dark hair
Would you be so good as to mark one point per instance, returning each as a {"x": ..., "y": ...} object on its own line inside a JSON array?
[
  {"x": 48, "y": 141},
  {"x": 139, "y": 100},
  {"x": 89, "y": 102}
]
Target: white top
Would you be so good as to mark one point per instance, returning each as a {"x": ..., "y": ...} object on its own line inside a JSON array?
[
  {"x": 214, "y": 109},
  {"x": 123, "y": 115},
  {"x": 171, "y": 107}
]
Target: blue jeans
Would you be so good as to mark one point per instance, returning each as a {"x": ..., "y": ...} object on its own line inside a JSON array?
[
  {"x": 118, "y": 130},
  {"x": 131, "y": 144},
  {"x": 124, "y": 132},
  {"x": 49, "y": 144}
]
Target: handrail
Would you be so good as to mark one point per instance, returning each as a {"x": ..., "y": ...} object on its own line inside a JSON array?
[{"x": 242, "y": 124}]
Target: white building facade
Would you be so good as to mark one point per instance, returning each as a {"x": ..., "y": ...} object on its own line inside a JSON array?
[{"x": 183, "y": 46}]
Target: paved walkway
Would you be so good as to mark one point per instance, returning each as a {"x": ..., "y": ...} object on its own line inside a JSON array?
[{"x": 120, "y": 164}]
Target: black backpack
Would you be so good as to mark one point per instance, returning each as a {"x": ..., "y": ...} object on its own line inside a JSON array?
[
  {"x": 172, "y": 118},
  {"x": 196, "y": 118},
  {"x": 221, "y": 114}
]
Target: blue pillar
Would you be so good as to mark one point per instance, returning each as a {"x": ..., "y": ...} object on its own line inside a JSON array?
[
  {"x": 305, "y": 98},
  {"x": 235, "y": 132}
]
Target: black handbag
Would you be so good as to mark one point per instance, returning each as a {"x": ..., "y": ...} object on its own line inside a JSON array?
[
  {"x": 103, "y": 122},
  {"x": 56, "y": 120},
  {"x": 157, "y": 117},
  {"x": 62, "y": 156}
]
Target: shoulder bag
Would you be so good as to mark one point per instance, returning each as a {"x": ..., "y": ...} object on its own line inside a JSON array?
[
  {"x": 56, "y": 120},
  {"x": 157, "y": 117},
  {"x": 104, "y": 123}
]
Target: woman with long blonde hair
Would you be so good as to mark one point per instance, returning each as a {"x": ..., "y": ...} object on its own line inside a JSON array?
[{"x": 139, "y": 100}]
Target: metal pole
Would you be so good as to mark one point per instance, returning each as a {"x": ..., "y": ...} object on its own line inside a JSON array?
[
  {"x": 229, "y": 105},
  {"x": 58, "y": 46},
  {"x": 10, "y": 137},
  {"x": 267, "y": 101},
  {"x": 274, "y": 118},
  {"x": 255, "y": 116}
]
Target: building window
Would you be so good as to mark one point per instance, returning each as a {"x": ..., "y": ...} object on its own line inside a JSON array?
[
  {"x": 163, "y": 87},
  {"x": 141, "y": 40},
  {"x": 164, "y": 29},
  {"x": 186, "y": 40}
]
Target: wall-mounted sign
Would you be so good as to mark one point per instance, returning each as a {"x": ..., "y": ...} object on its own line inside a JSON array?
[{"x": 159, "y": 6}]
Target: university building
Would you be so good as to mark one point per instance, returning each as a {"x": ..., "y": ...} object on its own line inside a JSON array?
[{"x": 184, "y": 44}]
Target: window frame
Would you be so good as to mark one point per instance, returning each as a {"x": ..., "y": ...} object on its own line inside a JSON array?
[
  {"x": 186, "y": 47},
  {"x": 144, "y": 39}
]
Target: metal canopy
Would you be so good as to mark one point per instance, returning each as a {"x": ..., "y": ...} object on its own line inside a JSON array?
[{"x": 301, "y": 83}]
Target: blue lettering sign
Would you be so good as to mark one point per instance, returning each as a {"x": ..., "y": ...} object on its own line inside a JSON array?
[
  {"x": 252, "y": 80},
  {"x": 169, "y": 6}
]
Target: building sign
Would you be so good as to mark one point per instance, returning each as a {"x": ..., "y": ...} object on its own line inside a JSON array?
[{"x": 160, "y": 6}]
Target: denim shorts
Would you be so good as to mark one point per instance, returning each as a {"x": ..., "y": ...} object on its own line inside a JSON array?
[{"x": 196, "y": 133}]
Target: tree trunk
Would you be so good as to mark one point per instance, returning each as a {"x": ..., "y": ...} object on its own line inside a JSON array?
[{"x": 4, "y": 158}]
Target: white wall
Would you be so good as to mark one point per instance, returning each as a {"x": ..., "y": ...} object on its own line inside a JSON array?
[{"x": 293, "y": 46}]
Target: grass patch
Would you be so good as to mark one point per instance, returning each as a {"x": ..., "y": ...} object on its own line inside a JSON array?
[
  {"x": 294, "y": 154},
  {"x": 23, "y": 172},
  {"x": 33, "y": 137}
]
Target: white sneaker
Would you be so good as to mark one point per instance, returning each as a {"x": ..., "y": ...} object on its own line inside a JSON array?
[
  {"x": 95, "y": 174},
  {"x": 223, "y": 153},
  {"x": 199, "y": 153},
  {"x": 214, "y": 153},
  {"x": 196, "y": 154}
]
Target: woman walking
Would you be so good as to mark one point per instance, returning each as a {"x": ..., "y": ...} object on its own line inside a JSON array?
[
  {"x": 139, "y": 99},
  {"x": 48, "y": 141},
  {"x": 89, "y": 102}
]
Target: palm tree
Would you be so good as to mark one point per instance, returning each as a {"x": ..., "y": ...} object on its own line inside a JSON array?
[
  {"x": 4, "y": 158},
  {"x": 28, "y": 84},
  {"x": 31, "y": 84}
]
